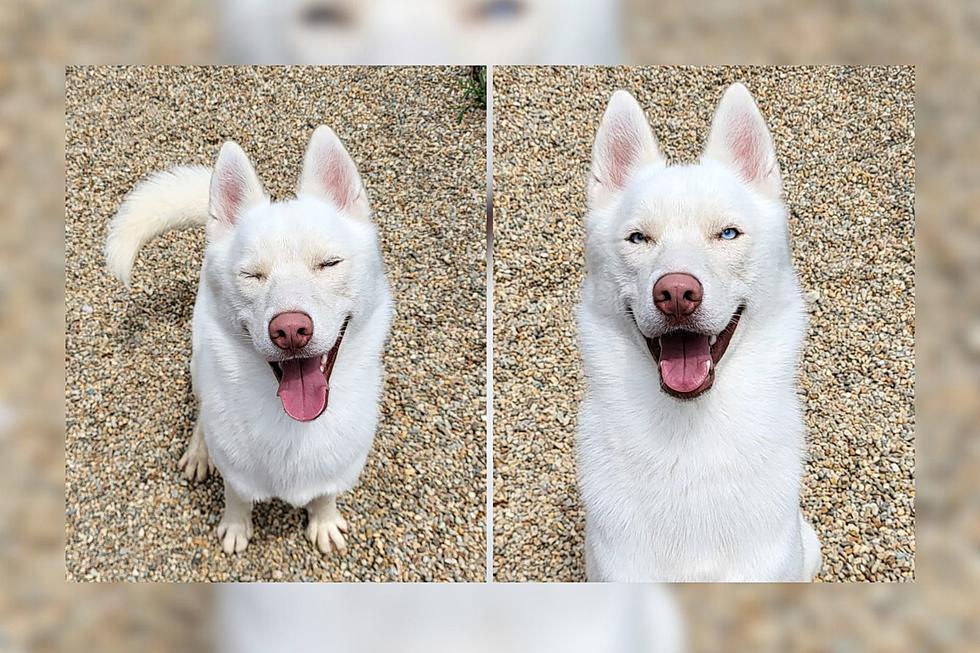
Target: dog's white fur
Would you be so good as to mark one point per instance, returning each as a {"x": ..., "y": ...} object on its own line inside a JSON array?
[
  {"x": 242, "y": 429},
  {"x": 703, "y": 489}
]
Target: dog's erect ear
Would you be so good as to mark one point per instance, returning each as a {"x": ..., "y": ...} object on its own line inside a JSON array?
[
  {"x": 329, "y": 173},
  {"x": 623, "y": 144},
  {"x": 234, "y": 185},
  {"x": 740, "y": 139}
]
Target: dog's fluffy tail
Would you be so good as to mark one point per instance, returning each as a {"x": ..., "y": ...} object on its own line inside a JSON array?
[{"x": 172, "y": 199}]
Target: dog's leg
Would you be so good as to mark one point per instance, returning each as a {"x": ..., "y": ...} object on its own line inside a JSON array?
[
  {"x": 326, "y": 526},
  {"x": 235, "y": 528},
  {"x": 195, "y": 463},
  {"x": 812, "y": 558}
]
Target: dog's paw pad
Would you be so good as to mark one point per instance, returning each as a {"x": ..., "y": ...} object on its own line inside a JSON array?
[
  {"x": 327, "y": 533},
  {"x": 194, "y": 464},
  {"x": 234, "y": 536}
]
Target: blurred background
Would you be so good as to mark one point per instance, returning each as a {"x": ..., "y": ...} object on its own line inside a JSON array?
[{"x": 40, "y": 612}]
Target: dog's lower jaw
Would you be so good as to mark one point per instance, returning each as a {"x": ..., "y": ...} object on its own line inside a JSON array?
[
  {"x": 304, "y": 383},
  {"x": 717, "y": 347}
]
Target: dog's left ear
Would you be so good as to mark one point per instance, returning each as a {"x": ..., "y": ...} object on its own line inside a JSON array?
[
  {"x": 329, "y": 173},
  {"x": 740, "y": 139}
]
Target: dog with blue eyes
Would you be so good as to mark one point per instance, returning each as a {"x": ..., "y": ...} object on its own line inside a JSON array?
[
  {"x": 289, "y": 326},
  {"x": 691, "y": 441}
]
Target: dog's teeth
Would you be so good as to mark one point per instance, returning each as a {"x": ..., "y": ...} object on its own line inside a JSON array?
[
  {"x": 323, "y": 363},
  {"x": 712, "y": 340}
]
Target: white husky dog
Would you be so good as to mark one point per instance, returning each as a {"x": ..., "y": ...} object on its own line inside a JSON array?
[
  {"x": 690, "y": 441},
  {"x": 290, "y": 321}
]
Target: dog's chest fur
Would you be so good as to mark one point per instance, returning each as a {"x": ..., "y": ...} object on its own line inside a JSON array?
[{"x": 687, "y": 490}]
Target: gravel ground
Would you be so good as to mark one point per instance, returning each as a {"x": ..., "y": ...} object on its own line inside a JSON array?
[
  {"x": 845, "y": 142},
  {"x": 418, "y": 513}
]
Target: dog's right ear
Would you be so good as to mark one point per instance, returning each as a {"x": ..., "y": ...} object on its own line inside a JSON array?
[
  {"x": 623, "y": 144},
  {"x": 235, "y": 187}
]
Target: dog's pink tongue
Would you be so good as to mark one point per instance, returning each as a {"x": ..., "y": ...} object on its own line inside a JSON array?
[
  {"x": 303, "y": 388},
  {"x": 685, "y": 361}
]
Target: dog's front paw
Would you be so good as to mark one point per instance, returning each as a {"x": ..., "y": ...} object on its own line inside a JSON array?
[
  {"x": 326, "y": 531},
  {"x": 195, "y": 464},
  {"x": 234, "y": 535}
]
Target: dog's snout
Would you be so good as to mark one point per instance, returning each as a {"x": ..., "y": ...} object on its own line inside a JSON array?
[
  {"x": 291, "y": 331},
  {"x": 677, "y": 294}
]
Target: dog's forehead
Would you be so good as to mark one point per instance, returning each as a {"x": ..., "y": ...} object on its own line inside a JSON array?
[
  {"x": 301, "y": 223},
  {"x": 685, "y": 193}
]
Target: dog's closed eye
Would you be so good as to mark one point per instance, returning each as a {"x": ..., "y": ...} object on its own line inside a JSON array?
[
  {"x": 328, "y": 263},
  {"x": 255, "y": 276},
  {"x": 321, "y": 15}
]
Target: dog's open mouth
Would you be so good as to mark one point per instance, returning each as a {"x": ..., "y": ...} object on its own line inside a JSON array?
[
  {"x": 687, "y": 359},
  {"x": 304, "y": 383}
]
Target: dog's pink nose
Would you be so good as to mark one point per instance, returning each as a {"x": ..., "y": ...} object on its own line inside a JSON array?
[
  {"x": 291, "y": 331},
  {"x": 677, "y": 294}
]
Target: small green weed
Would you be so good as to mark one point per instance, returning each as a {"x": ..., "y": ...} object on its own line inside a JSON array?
[{"x": 474, "y": 86}]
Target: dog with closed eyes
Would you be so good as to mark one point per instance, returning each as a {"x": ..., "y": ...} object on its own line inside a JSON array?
[
  {"x": 691, "y": 441},
  {"x": 292, "y": 313}
]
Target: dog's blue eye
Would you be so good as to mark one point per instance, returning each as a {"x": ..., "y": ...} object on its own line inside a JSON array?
[
  {"x": 730, "y": 234},
  {"x": 499, "y": 10},
  {"x": 637, "y": 237}
]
